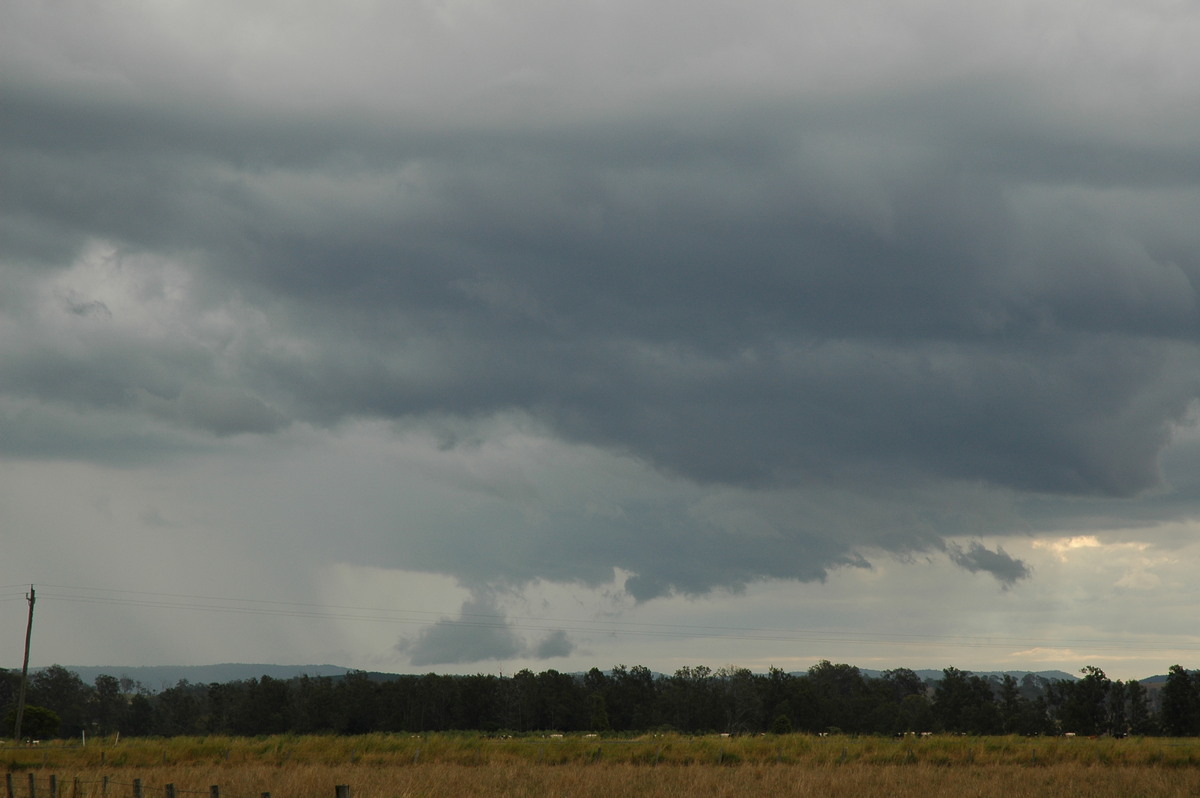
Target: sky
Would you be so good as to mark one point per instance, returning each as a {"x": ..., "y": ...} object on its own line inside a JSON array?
[{"x": 468, "y": 336}]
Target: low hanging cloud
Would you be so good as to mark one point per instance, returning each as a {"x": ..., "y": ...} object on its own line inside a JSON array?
[
  {"x": 480, "y": 634},
  {"x": 812, "y": 292},
  {"x": 976, "y": 558},
  {"x": 555, "y": 644}
]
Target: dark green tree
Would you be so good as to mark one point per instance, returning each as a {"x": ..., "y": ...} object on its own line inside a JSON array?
[
  {"x": 778, "y": 690},
  {"x": 357, "y": 704},
  {"x": 1084, "y": 708},
  {"x": 741, "y": 699},
  {"x": 903, "y": 682},
  {"x": 432, "y": 697},
  {"x": 139, "y": 718},
  {"x": 1011, "y": 704},
  {"x": 560, "y": 702},
  {"x": 222, "y": 699},
  {"x": 597, "y": 685},
  {"x": 313, "y": 704},
  {"x": 595, "y": 681},
  {"x": 963, "y": 702},
  {"x": 691, "y": 700},
  {"x": 1118, "y": 716},
  {"x": 1180, "y": 702},
  {"x": 65, "y": 694},
  {"x": 633, "y": 698},
  {"x": 807, "y": 713},
  {"x": 37, "y": 723},
  {"x": 841, "y": 697},
  {"x": 179, "y": 710},
  {"x": 598, "y": 713},
  {"x": 1140, "y": 720},
  {"x": 10, "y": 685},
  {"x": 109, "y": 705},
  {"x": 888, "y": 694},
  {"x": 477, "y": 703},
  {"x": 916, "y": 714},
  {"x": 525, "y": 689}
]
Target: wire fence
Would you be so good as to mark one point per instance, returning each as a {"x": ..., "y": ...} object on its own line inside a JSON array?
[{"x": 52, "y": 787}]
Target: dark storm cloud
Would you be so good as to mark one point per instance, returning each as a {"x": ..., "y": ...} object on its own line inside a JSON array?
[
  {"x": 219, "y": 411},
  {"x": 799, "y": 293},
  {"x": 682, "y": 538}
]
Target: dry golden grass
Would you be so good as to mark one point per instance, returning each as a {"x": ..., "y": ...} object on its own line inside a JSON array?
[
  {"x": 396, "y": 766},
  {"x": 528, "y": 780}
]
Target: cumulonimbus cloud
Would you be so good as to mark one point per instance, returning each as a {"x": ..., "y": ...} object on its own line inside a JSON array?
[{"x": 833, "y": 287}]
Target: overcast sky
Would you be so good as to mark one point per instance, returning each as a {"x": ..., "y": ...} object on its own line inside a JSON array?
[{"x": 466, "y": 336}]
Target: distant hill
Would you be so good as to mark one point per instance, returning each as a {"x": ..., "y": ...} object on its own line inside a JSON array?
[
  {"x": 156, "y": 678},
  {"x": 930, "y": 674}
]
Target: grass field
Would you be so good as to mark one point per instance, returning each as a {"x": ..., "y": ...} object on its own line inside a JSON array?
[{"x": 390, "y": 766}]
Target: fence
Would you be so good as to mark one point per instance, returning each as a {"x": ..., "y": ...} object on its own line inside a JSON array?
[{"x": 114, "y": 789}]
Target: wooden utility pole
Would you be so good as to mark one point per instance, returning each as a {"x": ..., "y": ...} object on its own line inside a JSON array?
[{"x": 24, "y": 669}]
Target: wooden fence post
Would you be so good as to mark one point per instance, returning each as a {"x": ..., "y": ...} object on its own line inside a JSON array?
[
  {"x": 8, "y": 783},
  {"x": 342, "y": 791},
  {"x": 53, "y": 786},
  {"x": 104, "y": 787},
  {"x": 169, "y": 791},
  {"x": 75, "y": 788},
  {"x": 214, "y": 792},
  {"x": 32, "y": 787},
  {"x": 137, "y": 788}
]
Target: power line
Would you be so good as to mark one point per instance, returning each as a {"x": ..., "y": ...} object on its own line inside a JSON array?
[
  {"x": 384, "y": 614},
  {"x": 277, "y": 608}
]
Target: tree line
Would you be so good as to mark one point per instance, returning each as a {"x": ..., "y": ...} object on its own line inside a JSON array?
[{"x": 828, "y": 698}]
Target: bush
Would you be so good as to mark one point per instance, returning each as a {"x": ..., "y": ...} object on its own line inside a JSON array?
[{"x": 36, "y": 724}]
